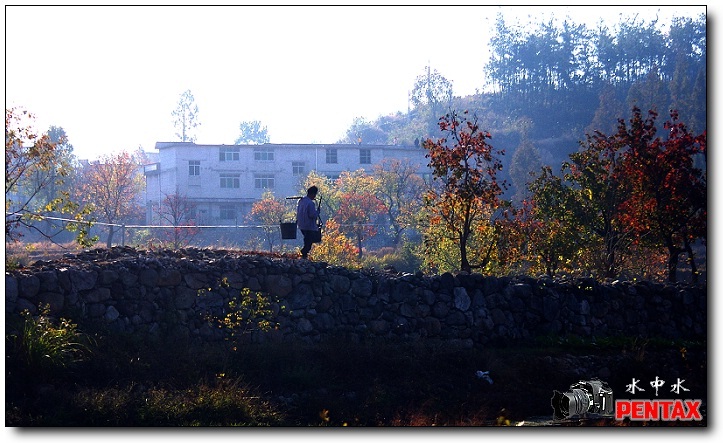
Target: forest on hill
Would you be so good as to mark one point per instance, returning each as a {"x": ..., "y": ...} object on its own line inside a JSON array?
[{"x": 550, "y": 84}]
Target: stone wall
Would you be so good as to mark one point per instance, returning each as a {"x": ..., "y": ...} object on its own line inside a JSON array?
[{"x": 123, "y": 290}]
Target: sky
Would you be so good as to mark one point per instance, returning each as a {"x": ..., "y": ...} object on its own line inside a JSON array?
[{"x": 111, "y": 76}]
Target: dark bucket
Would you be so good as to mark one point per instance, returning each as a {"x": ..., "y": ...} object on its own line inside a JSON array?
[{"x": 288, "y": 231}]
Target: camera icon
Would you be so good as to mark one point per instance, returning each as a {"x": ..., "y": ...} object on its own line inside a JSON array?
[{"x": 584, "y": 397}]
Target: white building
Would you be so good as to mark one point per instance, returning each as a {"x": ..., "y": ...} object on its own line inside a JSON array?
[{"x": 223, "y": 181}]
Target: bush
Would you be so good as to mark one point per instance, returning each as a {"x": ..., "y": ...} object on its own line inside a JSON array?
[
  {"x": 43, "y": 347},
  {"x": 402, "y": 259}
]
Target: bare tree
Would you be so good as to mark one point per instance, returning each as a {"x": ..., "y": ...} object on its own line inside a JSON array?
[{"x": 186, "y": 117}]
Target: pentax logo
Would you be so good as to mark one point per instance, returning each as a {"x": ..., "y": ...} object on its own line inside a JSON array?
[{"x": 664, "y": 410}]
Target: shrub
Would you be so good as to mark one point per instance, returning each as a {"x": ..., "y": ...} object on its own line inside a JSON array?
[{"x": 42, "y": 346}]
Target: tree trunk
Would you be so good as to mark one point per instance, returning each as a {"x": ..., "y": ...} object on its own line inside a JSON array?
[
  {"x": 691, "y": 262},
  {"x": 673, "y": 263},
  {"x": 359, "y": 245},
  {"x": 111, "y": 231},
  {"x": 610, "y": 271},
  {"x": 464, "y": 261}
]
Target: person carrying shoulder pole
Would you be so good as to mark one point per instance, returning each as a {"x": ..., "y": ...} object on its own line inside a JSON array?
[{"x": 306, "y": 216}]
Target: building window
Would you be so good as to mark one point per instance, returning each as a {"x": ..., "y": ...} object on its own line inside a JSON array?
[
  {"x": 297, "y": 168},
  {"x": 331, "y": 155},
  {"x": 264, "y": 154},
  {"x": 263, "y": 181},
  {"x": 228, "y": 212},
  {"x": 194, "y": 167},
  {"x": 228, "y": 153},
  {"x": 230, "y": 180},
  {"x": 365, "y": 156}
]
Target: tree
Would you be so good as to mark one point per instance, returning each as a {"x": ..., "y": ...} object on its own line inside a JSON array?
[
  {"x": 467, "y": 167},
  {"x": 607, "y": 112},
  {"x": 112, "y": 185},
  {"x": 363, "y": 132},
  {"x": 597, "y": 189},
  {"x": 400, "y": 190},
  {"x": 667, "y": 204},
  {"x": 335, "y": 249},
  {"x": 359, "y": 206},
  {"x": 178, "y": 211},
  {"x": 525, "y": 162},
  {"x": 328, "y": 194},
  {"x": 433, "y": 91},
  {"x": 252, "y": 133},
  {"x": 549, "y": 227},
  {"x": 269, "y": 211},
  {"x": 650, "y": 93},
  {"x": 186, "y": 117},
  {"x": 35, "y": 171}
]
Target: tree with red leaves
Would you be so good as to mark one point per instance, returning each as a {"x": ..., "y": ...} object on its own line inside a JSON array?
[
  {"x": 667, "y": 204},
  {"x": 466, "y": 167}
]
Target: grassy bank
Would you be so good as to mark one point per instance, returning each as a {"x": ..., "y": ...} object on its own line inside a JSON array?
[{"x": 126, "y": 381}]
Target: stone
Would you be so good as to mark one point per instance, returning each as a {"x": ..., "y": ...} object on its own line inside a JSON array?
[
  {"x": 83, "y": 280},
  {"x": 29, "y": 286},
  {"x": 362, "y": 287},
  {"x": 304, "y": 326},
  {"x": 461, "y": 299},
  {"x": 280, "y": 286},
  {"x": 111, "y": 314}
]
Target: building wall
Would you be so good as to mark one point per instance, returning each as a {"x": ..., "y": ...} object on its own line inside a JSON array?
[{"x": 197, "y": 171}]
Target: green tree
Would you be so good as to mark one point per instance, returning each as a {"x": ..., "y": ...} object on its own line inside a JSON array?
[
  {"x": 607, "y": 112},
  {"x": 432, "y": 94},
  {"x": 549, "y": 228},
  {"x": 597, "y": 190},
  {"x": 469, "y": 191},
  {"x": 526, "y": 161},
  {"x": 649, "y": 93},
  {"x": 362, "y": 132},
  {"x": 252, "y": 133},
  {"x": 185, "y": 117},
  {"x": 36, "y": 167}
]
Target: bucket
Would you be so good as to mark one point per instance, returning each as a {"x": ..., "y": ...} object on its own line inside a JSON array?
[{"x": 288, "y": 230}]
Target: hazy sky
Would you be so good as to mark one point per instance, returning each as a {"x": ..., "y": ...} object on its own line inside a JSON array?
[{"x": 111, "y": 76}]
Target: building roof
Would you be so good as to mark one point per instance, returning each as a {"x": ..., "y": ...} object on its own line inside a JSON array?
[{"x": 163, "y": 145}]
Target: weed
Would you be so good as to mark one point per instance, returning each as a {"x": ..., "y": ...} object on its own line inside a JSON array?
[{"x": 42, "y": 346}]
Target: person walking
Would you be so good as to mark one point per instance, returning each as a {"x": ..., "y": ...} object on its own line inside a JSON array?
[{"x": 306, "y": 218}]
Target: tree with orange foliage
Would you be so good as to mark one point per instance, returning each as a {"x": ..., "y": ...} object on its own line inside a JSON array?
[
  {"x": 336, "y": 249},
  {"x": 359, "y": 206},
  {"x": 112, "y": 185},
  {"x": 465, "y": 167},
  {"x": 269, "y": 212}
]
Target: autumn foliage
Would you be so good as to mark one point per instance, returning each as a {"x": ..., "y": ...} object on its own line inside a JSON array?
[
  {"x": 620, "y": 199},
  {"x": 464, "y": 166}
]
